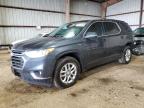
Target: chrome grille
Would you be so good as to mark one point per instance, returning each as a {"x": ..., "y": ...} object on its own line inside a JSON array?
[
  {"x": 17, "y": 52},
  {"x": 17, "y": 60}
]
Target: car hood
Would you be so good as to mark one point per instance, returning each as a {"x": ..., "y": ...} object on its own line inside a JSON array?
[
  {"x": 38, "y": 43},
  {"x": 15, "y": 42}
]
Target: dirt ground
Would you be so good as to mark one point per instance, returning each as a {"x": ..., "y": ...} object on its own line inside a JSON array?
[{"x": 110, "y": 86}]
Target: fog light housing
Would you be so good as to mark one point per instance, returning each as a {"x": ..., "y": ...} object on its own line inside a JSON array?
[{"x": 37, "y": 75}]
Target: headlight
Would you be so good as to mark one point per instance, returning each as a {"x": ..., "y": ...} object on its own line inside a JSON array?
[{"x": 39, "y": 53}]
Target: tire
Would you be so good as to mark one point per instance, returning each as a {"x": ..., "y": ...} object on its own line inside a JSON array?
[
  {"x": 126, "y": 56},
  {"x": 66, "y": 77}
]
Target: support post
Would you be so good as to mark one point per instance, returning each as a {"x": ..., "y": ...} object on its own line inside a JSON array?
[
  {"x": 141, "y": 13},
  {"x": 67, "y": 11},
  {"x": 103, "y": 10},
  {"x": 105, "y": 5}
]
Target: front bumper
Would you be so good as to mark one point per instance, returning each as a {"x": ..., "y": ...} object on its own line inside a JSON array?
[
  {"x": 27, "y": 77},
  {"x": 38, "y": 71},
  {"x": 138, "y": 49}
]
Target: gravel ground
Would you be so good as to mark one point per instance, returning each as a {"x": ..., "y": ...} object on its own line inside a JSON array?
[{"x": 110, "y": 86}]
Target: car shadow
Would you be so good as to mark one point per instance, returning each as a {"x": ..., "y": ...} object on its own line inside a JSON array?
[
  {"x": 101, "y": 68},
  {"x": 19, "y": 86}
]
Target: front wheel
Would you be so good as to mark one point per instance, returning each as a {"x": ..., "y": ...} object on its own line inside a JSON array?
[
  {"x": 126, "y": 56},
  {"x": 66, "y": 73}
]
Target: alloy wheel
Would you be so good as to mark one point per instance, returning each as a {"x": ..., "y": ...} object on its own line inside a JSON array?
[{"x": 68, "y": 73}]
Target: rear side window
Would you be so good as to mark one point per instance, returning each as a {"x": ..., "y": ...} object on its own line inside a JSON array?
[
  {"x": 126, "y": 28},
  {"x": 95, "y": 29},
  {"x": 110, "y": 28}
]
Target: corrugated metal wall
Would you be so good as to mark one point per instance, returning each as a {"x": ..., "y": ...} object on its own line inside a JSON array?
[
  {"x": 19, "y": 18},
  {"x": 57, "y": 5},
  {"x": 126, "y": 10},
  {"x": 92, "y": 9},
  {"x": 23, "y": 17}
]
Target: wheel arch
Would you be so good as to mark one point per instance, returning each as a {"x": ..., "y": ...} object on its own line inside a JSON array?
[
  {"x": 130, "y": 44},
  {"x": 75, "y": 55}
]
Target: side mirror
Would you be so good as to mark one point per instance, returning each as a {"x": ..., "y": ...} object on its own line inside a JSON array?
[{"x": 90, "y": 35}]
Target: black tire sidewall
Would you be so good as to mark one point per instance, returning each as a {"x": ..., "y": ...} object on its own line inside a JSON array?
[{"x": 57, "y": 81}]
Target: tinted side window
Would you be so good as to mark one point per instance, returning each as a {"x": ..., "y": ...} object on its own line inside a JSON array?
[
  {"x": 110, "y": 28},
  {"x": 95, "y": 29},
  {"x": 126, "y": 27}
]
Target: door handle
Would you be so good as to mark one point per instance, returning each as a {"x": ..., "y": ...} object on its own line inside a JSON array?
[
  {"x": 122, "y": 37},
  {"x": 104, "y": 39}
]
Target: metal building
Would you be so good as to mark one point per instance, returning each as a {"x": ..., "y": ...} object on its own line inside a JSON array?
[
  {"x": 126, "y": 10},
  {"x": 23, "y": 19}
]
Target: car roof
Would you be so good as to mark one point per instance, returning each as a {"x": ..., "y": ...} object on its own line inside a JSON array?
[{"x": 99, "y": 20}]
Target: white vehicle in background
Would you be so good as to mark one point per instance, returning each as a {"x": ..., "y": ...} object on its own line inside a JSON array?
[{"x": 18, "y": 41}]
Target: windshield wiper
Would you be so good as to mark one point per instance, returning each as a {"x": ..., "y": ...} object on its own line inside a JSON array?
[{"x": 57, "y": 36}]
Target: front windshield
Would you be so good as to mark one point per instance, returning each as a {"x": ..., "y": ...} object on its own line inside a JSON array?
[
  {"x": 139, "y": 32},
  {"x": 68, "y": 30}
]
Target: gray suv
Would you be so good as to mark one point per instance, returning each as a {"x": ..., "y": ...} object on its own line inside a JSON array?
[{"x": 57, "y": 59}]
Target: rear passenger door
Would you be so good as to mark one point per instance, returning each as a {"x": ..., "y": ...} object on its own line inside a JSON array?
[{"x": 112, "y": 39}]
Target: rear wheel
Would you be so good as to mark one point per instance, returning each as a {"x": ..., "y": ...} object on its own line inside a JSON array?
[
  {"x": 66, "y": 73},
  {"x": 126, "y": 56}
]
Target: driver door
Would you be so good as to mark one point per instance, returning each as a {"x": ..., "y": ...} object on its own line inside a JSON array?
[{"x": 94, "y": 45}]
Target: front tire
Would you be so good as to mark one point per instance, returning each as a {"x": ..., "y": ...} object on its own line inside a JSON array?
[
  {"x": 126, "y": 56},
  {"x": 67, "y": 72}
]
